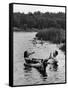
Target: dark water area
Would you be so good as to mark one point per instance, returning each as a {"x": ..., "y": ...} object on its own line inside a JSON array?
[{"x": 28, "y": 76}]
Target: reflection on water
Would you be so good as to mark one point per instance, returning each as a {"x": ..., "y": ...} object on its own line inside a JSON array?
[
  {"x": 42, "y": 74},
  {"x": 28, "y": 75}
]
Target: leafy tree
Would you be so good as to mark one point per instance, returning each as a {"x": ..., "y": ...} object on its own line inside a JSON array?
[{"x": 39, "y": 20}]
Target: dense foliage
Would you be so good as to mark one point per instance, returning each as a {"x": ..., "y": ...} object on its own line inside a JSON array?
[
  {"x": 63, "y": 48},
  {"x": 54, "y": 35},
  {"x": 39, "y": 20}
]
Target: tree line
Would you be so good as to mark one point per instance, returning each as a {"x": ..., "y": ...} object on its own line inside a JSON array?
[{"x": 39, "y": 20}]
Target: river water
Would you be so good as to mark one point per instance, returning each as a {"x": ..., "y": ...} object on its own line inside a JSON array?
[{"x": 23, "y": 41}]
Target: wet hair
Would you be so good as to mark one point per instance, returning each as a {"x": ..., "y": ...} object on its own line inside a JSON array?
[
  {"x": 25, "y": 54},
  {"x": 55, "y": 53}
]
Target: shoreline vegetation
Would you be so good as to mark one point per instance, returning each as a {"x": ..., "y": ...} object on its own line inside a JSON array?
[
  {"x": 63, "y": 48},
  {"x": 16, "y": 29},
  {"x": 49, "y": 26},
  {"x": 52, "y": 35}
]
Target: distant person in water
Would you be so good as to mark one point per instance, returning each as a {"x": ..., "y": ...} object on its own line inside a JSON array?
[{"x": 34, "y": 42}]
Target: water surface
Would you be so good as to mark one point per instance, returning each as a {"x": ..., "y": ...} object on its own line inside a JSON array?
[{"x": 27, "y": 76}]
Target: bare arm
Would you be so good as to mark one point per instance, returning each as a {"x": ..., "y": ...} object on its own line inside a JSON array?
[{"x": 31, "y": 53}]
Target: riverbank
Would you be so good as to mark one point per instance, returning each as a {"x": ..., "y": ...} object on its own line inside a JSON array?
[
  {"x": 52, "y": 35},
  {"x": 16, "y": 29}
]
